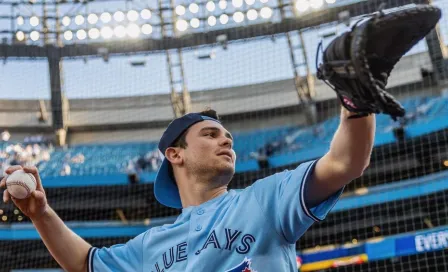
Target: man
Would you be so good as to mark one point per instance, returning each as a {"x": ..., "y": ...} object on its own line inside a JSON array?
[{"x": 254, "y": 229}]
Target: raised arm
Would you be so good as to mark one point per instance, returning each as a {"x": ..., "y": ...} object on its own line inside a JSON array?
[
  {"x": 67, "y": 248},
  {"x": 348, "y": 157}
]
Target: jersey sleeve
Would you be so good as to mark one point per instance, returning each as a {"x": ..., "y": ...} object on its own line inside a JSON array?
[
  {"x": 281, "y": 198},
  {"x": 121, "y": 257}
]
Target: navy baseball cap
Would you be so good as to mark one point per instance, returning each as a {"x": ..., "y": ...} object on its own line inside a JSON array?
[{"x": 165, "y": 188}]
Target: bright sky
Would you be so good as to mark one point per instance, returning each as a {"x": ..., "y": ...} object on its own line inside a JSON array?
[{"x": 241, "y": 64}]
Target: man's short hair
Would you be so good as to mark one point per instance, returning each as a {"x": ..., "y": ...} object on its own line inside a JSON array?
[{"x": 181, "y": 140}]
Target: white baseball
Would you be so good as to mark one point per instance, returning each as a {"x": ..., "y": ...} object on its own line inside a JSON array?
[{"x": 20, "y": 184}]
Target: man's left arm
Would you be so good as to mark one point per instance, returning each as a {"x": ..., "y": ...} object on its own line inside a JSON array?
[{"x": 348, "y": 157}]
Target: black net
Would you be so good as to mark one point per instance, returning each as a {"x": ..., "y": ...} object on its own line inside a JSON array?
[{"x": 89, "y": 87}]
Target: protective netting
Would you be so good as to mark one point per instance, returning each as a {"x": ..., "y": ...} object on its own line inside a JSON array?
[{"x": 244, "y": 59}]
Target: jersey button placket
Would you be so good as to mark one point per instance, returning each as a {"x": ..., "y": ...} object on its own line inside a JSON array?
[{"x": 199, "y": 212}]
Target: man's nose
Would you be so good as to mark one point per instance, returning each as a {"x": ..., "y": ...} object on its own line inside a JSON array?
[{"x": 226, "y": 142}]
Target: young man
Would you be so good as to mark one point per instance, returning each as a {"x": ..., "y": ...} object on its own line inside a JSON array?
[{"x": 254, "y": 229}]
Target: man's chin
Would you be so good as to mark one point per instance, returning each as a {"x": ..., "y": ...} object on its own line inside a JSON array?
[{"x": 227, "y": 169}]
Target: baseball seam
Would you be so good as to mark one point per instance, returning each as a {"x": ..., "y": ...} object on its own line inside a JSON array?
[
  {"x": 20, "y": 183},
  {"x": 33, "y": 179}
]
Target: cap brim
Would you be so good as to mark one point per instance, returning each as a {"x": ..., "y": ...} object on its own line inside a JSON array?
[{"x": 165, "y": 188}]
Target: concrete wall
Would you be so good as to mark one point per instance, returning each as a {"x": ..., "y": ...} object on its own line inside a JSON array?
[
  {"x": 226, "y": 101},
  {"x": 108, "y": 136}
]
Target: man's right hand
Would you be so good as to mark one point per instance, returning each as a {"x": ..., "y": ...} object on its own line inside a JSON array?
[
  {"x": 66, "y": 247},
  {"x": 34, "y": 206}
]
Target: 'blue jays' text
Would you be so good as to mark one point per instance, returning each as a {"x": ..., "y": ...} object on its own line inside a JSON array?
[{"x": 234, "y": 240}]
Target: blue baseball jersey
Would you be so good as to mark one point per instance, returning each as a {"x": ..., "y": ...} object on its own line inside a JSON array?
[{"x": 254, "y": 229}]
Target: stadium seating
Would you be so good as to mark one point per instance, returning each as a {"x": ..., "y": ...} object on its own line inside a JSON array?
[
  {"x": 424, "y": 115},
  {"x": 105, "y": 159},
  {"x": 378, "y": 219},
  {"x": 100, "y": 159}
]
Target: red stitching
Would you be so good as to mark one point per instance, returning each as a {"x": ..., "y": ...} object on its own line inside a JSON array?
[
  {"x": 20, "y": 183},
  {"x": 33, "y": 179}
]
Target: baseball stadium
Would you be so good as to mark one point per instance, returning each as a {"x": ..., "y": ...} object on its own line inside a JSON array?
[{"x": 88, "y": 88}]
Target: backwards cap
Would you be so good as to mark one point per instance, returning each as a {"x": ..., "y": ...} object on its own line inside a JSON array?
[{"x": 165, "y": 188}]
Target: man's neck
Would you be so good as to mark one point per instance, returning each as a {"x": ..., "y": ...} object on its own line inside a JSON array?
[{"x": 197, "y": 194}]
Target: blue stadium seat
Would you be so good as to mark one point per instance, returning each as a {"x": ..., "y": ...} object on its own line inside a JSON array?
[{"x": 105, "y": 159}]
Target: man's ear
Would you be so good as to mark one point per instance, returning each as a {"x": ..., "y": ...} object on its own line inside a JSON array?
[{"x": 172, "y": 154}]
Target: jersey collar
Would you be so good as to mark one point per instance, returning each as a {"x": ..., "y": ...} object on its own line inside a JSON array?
[{"x": 209, "y": 205}]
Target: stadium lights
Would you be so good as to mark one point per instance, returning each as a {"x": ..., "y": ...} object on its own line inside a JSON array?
[
  {"x": 107, "y": 32},
  {"x": 99, "y": 22},
  {"x": 66, "y": 21},
  {"x": 180, "y": 10},
  {"x": 222, "y": 4},
  {"x": 34, "y": 21},
  {"x": 302, "y": 5},
  {"x": 81, "y": 34},
  {"x": 362, "y": 191},
  {"x": 136, "y": 22},
  {"x": 79, "y": 19},
  {"x": 145, "y": 14},
  {"x": 252, "y": 14},
  {"x": 223, "y": 19},
  {"x": 193, "y": 8},
  {"x": 105, "y": 17},
  {"x": 266, "y": 12},
  {"x": 132, "y": 15},
  {"x": 237, "y": 3},
  {"x": 34, "y": 35},
  {"x": 94, "y": 33},
  {"x": 68, "y": 35},
  {"x": 20, "y": 36},
  {"x": 316, "y": 4},
  {"x": 120, "y": 31},
  {"x": 20, "y": 20},
  {"x": 133, "y": 30},
  {"x": 146, "y": 29},
  {"x": 238, "y": 17},
  {"x": 181, "y": 25},
  {"x": 194, "y": 23},
  {"x": 211, "y": 20},
  {"x": 92, "y": 19},
  {"x": 119, "y": 16},
  {"x": 210, "y": 6}
]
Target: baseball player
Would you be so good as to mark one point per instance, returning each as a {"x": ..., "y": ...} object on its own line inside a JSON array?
[{"x": 255, "y": 229}]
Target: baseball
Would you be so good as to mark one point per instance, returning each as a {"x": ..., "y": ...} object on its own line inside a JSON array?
[{"x": 20, "y": 184}]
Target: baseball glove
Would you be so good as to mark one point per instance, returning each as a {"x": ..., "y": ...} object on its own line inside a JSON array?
[{"x": 357, "y": 64}]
